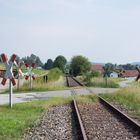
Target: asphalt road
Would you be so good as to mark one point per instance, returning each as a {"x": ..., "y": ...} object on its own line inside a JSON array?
[{"x": 26, "y": 97}]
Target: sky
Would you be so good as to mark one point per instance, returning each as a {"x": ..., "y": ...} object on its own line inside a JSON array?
[{"x": 101, "y": 30}]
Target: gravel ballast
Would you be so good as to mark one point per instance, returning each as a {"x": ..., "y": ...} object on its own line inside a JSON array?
[
  {"x": 57, "y": 123},
  {"x": 100, "y": 124}
]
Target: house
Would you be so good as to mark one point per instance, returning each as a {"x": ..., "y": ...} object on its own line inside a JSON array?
[
  {"x": 97, "y": 68},
  {"x": 114, "y": 75},
  {"x": 128, "y": 73}
]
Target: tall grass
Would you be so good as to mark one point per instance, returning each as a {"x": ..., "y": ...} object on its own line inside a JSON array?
[
  {"x": 55, "y": 82},
  {"x": 54, "y": 74},
  {"x": 128, "y": 97},
  {"x": 87, "y": 98},
  {"x": 100, "y": 82}
]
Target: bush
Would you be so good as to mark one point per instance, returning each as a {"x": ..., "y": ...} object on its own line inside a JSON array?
[
  {"x": 54, "y": 74},
  {"x": 88, "y": 77},
  {"x": 79, "y": 65},
  {"x": 100, "y": 82}
]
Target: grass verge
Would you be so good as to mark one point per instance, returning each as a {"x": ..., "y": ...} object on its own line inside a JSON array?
[
  {"x": 128, "y": 97},
  {"x": 87, "y": 98},
  {"x": 55, "y": 82},
  {"x": 100, "y": 82},
  {"x": 15, "y": 121}
]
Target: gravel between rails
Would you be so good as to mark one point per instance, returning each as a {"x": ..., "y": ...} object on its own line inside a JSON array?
[
  {"x": 57, "y": 123},
  {"x": 126, "y": 110},
  {"x": 72, "y": 82},
  {"x": 100, "y": 124}
]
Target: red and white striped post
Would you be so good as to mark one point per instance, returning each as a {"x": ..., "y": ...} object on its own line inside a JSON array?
[
  {"x": 30, "y": 75},
  {"x": 9, "y": 75},
  {"x": 20, "y": 73}
]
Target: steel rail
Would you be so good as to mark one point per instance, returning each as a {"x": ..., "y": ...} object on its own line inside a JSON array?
[
  {"x": 81, "y": 84},
  {"x": 68, "y": 83},
  {"x": 84, "y": 136},
  {"x": 67, "y": 80},
  {"x": 135, "y": 125}
]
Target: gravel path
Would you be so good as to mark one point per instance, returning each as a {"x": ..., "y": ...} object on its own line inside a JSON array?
[
  {"x": 57, "y": 123},
  {"x": 100, "y": 124}
]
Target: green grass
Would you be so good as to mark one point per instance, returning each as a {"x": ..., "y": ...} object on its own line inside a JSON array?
[
  {"x": 87, "y": 98},
  {"x": 55, "y": 82},
  {"x": 100, "y": 82},
  {"x": 54, "y": 74},
  {"x": 128, "y": 97},
  {"x": 39, "y": 72},
  {"x": 36, "y": 71},
  {"x": 2, "y": 66},
  {"x": 14, "y": 122}
]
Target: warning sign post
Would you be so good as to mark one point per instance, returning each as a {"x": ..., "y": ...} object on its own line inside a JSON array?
[
  {"x": 9, "y": 75},
  {"x": 30, "y": 75}
]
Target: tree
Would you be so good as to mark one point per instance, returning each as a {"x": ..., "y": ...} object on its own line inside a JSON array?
[
  {"x": 33, "y": 59},
  {"x": 88, "y": 77},
  {"x": 38, "y": 62},
  {"x": 79, "y": 65},
  {"x": 60, "y": 62},
  {"x": 108, "y": 68},
  {"x": 48, "y": 65},
  {"x": 128, "y": 67}
]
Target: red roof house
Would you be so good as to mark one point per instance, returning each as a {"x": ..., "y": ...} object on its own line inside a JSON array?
[
  {"x": 128, "y": 73},
  {"x": 97, "y": 67}
]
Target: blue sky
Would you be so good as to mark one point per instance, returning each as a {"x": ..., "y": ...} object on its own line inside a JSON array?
[{"x": 102, "y": 30}]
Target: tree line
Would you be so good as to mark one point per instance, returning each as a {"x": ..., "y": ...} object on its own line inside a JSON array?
[{"x": 77, "y": 66}]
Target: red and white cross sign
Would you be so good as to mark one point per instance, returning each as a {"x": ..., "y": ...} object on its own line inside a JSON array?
[
  {"x": 9, "y": 68},
  {"x": 18, "y": 66},
  {"x": 30, "y": 73}
]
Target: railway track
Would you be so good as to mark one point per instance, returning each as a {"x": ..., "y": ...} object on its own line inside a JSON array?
[
  {"x": 103, "y": 121},
  {"x": 82, "y": 122},
  {"x": 132, "y": 123},
  {"x": 82, "y": 129},
  {"x": 72, "y": 82},
  {"x": 94, "y": 122}
]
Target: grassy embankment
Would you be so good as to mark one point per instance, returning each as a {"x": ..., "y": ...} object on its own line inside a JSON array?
[
  {"x": 128, "y": 97},
  {"x": 14, "y": 122},
  {"x": 55, "y": 82},
  {"x": 100, "y": 82}
]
